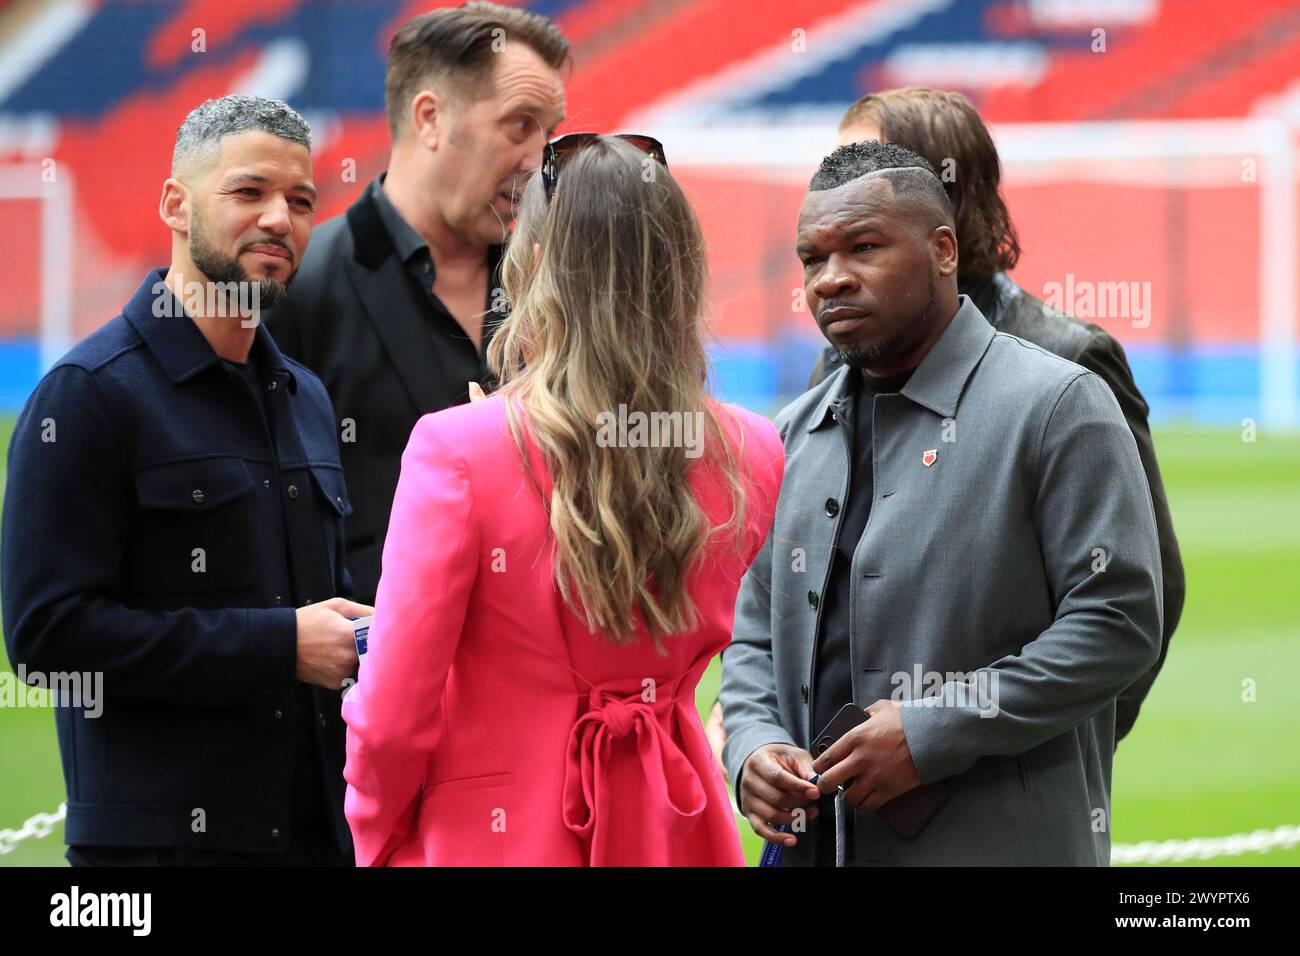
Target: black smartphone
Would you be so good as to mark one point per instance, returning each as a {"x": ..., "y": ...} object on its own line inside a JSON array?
[
  {"x": 848, "y": 717},
  {"x": 908, "y": 813}
]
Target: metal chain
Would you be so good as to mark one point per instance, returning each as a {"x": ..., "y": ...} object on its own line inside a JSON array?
[
  {"x": 1260, "y": 841},
  {"x": 40, "y": 825}
]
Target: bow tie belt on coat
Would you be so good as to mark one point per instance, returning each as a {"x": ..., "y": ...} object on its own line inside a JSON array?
[{"x": 672, "y": 792}]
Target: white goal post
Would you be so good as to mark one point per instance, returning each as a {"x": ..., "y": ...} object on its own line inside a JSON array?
[{"x": 27, "y": 181}]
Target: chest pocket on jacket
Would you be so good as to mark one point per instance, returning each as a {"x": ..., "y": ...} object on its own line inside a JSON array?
[
  {"x": 329, "y": 482},
  {"x": 194, "y": 527},
  {"x": 332, "y": 491}
]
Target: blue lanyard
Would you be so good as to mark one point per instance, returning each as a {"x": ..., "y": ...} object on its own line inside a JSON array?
[{"x": 772, "y": 851}]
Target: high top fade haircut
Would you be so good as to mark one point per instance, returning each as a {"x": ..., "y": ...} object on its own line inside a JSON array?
[
  {"x": 453, "y": 48},
  {"x": 913, "y": 179}
]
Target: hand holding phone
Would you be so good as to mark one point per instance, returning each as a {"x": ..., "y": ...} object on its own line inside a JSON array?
[{"x": 906, "y": 814}]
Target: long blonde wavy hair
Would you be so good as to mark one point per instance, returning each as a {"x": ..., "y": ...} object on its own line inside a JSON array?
[{"x": 607, "y": 313}]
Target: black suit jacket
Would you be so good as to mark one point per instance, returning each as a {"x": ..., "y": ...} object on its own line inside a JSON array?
[
  {"x": 1012, "y": 310},
  {"x": 359, "y": 320}
]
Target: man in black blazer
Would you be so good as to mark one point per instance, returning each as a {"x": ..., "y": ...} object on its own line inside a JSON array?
[{"x": 398, "y": 298}]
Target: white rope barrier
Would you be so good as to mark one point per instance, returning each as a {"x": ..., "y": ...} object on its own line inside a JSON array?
[{"x": 1201, "y": 848}]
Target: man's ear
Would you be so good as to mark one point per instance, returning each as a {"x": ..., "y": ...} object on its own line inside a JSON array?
[
  {"x": 428, "y": 117},
  {"x": 944, "y": 243},
  {"x": 174, "y": 206}
]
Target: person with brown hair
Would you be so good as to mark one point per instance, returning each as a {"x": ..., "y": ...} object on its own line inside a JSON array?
[
  {"x": 564, "y": 556},
  {"x": 399, "y": 297}
]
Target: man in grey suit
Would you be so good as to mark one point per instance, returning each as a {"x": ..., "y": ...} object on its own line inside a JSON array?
[
  {"x": 964, "y": 547},
  {"x": 945, "y": 128}
]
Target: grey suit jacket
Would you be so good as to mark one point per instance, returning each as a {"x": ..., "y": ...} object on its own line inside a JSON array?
[
  {"x": 1011, "y": 309},
  {"x": 1010, "y": 589}
]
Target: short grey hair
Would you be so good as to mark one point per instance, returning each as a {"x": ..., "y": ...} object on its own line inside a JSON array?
[{"x": 202, "y": 130}]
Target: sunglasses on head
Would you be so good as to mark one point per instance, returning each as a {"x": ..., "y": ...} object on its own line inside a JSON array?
[{"x": 559, "y": 150}]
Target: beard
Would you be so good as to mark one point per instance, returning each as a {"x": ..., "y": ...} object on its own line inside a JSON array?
[
  {"x": 879, "y": 353},
  {"x": 219, "y": 267}
]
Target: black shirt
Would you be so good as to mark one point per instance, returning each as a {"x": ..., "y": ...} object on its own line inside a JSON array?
[
  {"x": 461, "y": 360},
  {"x": 832, "y": 676}
]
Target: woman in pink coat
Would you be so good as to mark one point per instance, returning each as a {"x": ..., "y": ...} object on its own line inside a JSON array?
[{"x": 563, "y": 558}]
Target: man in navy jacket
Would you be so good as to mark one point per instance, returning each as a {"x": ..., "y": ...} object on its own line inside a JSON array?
[{"x": 173, "y": 526}]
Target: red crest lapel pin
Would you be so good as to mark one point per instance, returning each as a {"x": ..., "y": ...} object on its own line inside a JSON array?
[{"x": 930, "y": 457}]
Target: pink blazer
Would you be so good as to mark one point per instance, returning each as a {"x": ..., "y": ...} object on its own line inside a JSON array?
[{"x": 488, "y": 725}]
